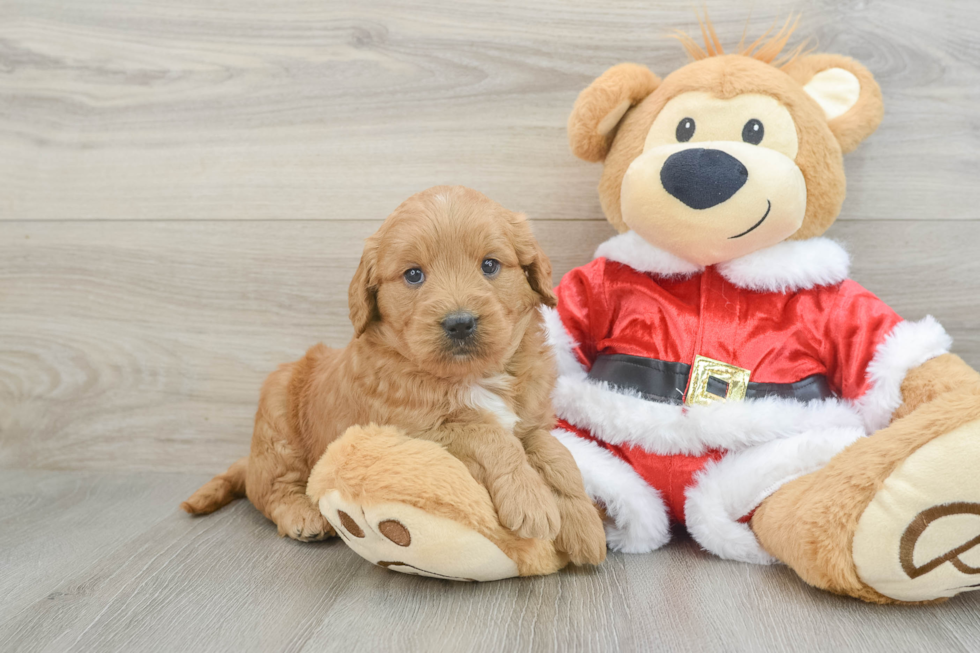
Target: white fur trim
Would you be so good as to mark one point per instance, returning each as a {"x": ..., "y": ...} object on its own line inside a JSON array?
[
  {"x": 624, "y": 418},
  {"x": 786, "y": 267},
  {"x": 909, "y": 345},
  {"x": 727, "y": 490},
  {"x": 630, "y": 249},
  {"x": 562, "y": 345},
  {"x": 639, "y": 517},
  {"x": 790, "y": 266}
]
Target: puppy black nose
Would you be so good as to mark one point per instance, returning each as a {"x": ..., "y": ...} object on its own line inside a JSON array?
[
  {"x": 702, "y": 178},
  {"x": 460, "y": 325}
]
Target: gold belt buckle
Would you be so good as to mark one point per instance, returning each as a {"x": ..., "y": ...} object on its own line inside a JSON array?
[{"x": 703, "y": 370}]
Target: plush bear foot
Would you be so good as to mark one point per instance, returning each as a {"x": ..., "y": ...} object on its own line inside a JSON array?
[
  {"x": 919, "y": 538},
  {"x": 893, "y": 518},
  {"x": 409, "y": 506},
  {"x": 403, "y": 538}
]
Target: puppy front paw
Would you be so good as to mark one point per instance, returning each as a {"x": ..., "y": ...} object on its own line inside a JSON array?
[
  {"x": 582, "y": 535},
  {"x": 526, "y": 507}
]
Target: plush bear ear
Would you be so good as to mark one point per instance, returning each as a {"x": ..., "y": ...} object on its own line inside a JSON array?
[
  {"x": 601, "y": 106},
  {"x": 845, "y": 90}
]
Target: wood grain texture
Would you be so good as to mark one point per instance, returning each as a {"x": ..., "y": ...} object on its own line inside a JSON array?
[
  {"x": 184, "y": 189},
  {"x": 230, "y": 109},
  {"x": 228, "y": 582},
  {"x": 54, "y": 524}
]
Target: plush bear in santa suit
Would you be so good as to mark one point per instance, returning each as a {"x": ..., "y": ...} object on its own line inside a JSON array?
[{"x": 719, "y": 369}]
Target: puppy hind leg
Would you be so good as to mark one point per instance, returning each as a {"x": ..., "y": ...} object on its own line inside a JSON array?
[
  {"x": 278, "y": 489},
  {"x": 278, "y": 471},
  {"x": 296, "y": 516}
]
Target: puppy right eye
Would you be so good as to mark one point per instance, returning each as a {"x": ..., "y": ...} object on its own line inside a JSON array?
[{"x": 414, "y": 277}]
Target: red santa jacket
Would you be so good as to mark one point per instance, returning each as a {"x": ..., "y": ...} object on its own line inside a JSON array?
[{"x": 784, "y": 314}]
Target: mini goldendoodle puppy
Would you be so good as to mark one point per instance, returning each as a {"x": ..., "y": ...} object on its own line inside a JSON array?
[{"x": 449, "y": 346}]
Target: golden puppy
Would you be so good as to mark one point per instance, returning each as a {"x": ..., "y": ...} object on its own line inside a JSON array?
[{"x": 449, "y": 346}]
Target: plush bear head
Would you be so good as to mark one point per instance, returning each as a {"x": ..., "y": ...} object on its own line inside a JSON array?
[{"x": 731, "y": 153}]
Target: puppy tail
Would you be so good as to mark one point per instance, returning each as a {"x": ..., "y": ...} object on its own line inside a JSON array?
[{"x": 219, "y": 491}]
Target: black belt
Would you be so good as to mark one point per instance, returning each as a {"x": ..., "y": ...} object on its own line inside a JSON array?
[{"x": 665, "y": 382}]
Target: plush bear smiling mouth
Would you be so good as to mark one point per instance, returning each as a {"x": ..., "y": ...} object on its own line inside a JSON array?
[{"x": 757, "y": 224}]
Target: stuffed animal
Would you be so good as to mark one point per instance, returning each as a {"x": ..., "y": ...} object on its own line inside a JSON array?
[
  {"x": 719, "y": 369},
  {"x": 408, "y": 505}
]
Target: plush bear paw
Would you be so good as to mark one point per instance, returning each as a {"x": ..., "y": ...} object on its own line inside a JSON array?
[
  {"x": 919, "y": 538},
  {"x": 404, "y": 538},
  {"x": 408, "y": 505}
]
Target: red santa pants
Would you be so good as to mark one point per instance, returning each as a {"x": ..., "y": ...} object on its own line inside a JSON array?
[{"x": 670, "y": 475}]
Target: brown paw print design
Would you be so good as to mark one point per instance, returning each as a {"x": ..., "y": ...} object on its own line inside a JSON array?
[{"x": 406, "y": 539}]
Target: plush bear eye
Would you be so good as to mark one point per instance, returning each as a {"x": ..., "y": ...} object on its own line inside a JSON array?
[
  {"x": 753, "y": 132},
  {"x": 414, "y": 277},
  {"x": 685, "y": 130},
  {"x": 490, "y": 267}
]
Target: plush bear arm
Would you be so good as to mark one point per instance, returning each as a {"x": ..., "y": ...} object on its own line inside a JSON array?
[
  {"x": 854, "y": 332},
  {"x": 933, "y": 378},
  {"x": 583, "y": 313}
]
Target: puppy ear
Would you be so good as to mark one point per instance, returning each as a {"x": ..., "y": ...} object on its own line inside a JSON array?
[
  {"x": 362, "y": 297},
  {"x": 599, "y": 108},
  {"x": 845, "y": 90},
  {"x": 536, "y": 264}
]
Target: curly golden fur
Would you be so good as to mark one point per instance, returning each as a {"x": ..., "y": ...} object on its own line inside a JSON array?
[{"x": 402, "y": 369}]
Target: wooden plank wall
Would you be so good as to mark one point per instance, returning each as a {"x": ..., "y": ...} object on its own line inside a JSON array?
[{"x": 184, "y": 186}]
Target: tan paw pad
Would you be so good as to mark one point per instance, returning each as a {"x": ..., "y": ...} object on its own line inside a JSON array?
[{"x": 919, "y": 538}]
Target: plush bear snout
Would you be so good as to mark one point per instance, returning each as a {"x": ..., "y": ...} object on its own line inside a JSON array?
[{"x": 702, "y": 178}]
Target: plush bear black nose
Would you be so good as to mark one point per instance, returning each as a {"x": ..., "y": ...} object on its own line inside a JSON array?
[
  {"x": 459, "y": 325},
  {"x": 702, "y": 178}
]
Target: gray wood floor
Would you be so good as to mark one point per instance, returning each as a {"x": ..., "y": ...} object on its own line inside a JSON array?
[{"x": 184, "y": 187}]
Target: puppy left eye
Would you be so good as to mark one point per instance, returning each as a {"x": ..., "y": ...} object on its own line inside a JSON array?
[{"x": 490, "y": 267}]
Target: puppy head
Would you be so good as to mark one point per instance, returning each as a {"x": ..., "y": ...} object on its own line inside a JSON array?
[{"x": 449, "y": 281}]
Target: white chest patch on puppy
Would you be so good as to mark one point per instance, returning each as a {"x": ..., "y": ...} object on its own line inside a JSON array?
[{"x": 482, "y": 396}]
